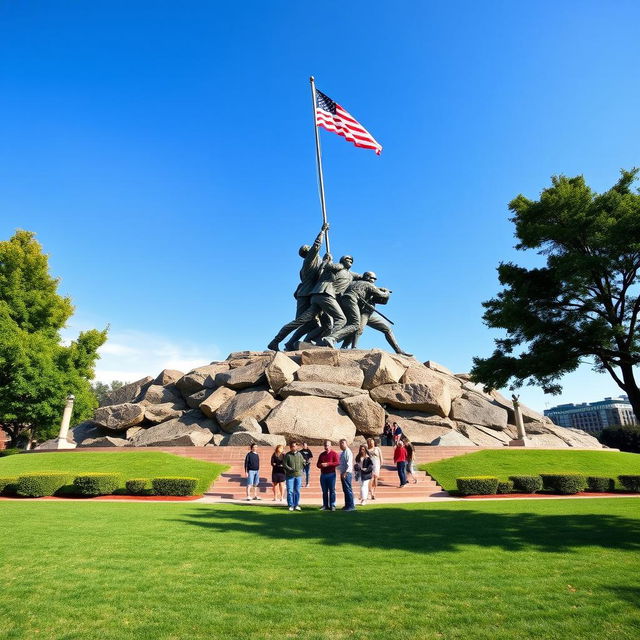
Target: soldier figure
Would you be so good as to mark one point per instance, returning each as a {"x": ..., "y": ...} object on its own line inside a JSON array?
[
  {"x": 358, "y": 291},
  {"x": 309, "y": 272}
]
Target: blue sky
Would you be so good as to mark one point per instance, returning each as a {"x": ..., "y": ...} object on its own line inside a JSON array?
[{"x": 164, "y": 154}]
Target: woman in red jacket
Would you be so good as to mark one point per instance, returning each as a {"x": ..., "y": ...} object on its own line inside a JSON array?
[{"x": 400, "y": 458}]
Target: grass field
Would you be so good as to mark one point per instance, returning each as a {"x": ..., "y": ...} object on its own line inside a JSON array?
[
  {"x": 554, "y": 570},
  {"x": 518, "y": 462},
  {"x": 131, "y": 464}
]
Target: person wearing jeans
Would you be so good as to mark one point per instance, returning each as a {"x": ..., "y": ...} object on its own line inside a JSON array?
[
  {"x": 400, "y": 458},
  {"x": 327, "y": 462},
  {"x": 252, "y": 469},
  {"x": 346, "y": 474},
  {"x": 307, "y": 454},
  {"x": 293, "y": 463}
]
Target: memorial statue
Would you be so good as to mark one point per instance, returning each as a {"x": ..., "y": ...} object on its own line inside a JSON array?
[{"x": 309, "y": 272}]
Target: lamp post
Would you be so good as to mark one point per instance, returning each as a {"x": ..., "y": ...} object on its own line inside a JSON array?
[{"x": 62, "y": 442}]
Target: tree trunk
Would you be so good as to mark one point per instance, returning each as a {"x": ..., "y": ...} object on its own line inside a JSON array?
[{"x": 631, "y": 388}]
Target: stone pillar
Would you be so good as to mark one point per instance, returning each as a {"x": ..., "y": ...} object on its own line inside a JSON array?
[
  {"x": 62, "y": 442},
  {"x": 521, "y": 440}
]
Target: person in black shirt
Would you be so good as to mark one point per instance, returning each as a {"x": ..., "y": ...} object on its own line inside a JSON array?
[
  {"x": 252, "y": 469},
  {"x": 306, "y": 469}
]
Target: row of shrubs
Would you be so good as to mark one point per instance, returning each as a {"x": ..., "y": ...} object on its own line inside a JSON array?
[
  {"x": 38, "y": 485},
  {"x": 562, "y": 483}
]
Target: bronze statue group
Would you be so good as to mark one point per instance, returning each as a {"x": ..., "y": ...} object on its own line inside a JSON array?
[{"x": 334, "y": 304}]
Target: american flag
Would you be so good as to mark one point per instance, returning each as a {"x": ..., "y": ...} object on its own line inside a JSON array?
[{"x": 333, "y": 117}]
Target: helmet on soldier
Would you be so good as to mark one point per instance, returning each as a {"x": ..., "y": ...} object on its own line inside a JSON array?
[
  {"x": 369, "y": 276},
  {"x": 303, "y": 250},
  {"x": 344, "y": 259}
]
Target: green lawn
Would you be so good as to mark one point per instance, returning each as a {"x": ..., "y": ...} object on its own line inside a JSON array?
[
  {"x": 554, "y": 570},
  {"x": 522, "y": 462},
  {"x": 131, "y": 464}
]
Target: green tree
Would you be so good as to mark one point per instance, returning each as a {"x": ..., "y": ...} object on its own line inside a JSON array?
[
  {"x": 583, "y": 304},
  {"x": 37, "y": 372},
  {"x": 102, "y": 389}
]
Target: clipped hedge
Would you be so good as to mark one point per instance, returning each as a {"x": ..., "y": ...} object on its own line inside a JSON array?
[
  {"x": 8, "y": 486},
  {"x": 477, "y": 485},
  {"x": 138, "y": 486},
  {"x": 563, "y": 483},
  {"x": 526, "y": 484},
  {"x": 9, "y": 452},
  {"x": 631, "y": 483},
  {"x": 505, "y": 487},
  {"x": 174, "y": 486},
  {"x": 38, "y": 485},
  {"x": 96, "y": 484},
  {"x": 600, "y": 483}
]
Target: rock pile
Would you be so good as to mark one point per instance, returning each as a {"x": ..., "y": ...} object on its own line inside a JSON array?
[{"x": 312, "y": 395}]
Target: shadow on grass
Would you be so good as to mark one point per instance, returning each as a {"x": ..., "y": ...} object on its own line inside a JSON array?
[{"x": 429, "y": 530}]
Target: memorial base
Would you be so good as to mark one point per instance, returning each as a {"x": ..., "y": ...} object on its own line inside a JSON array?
[
  {"x": 63, "y": 443},
  {"x": 519, "y": 443}
]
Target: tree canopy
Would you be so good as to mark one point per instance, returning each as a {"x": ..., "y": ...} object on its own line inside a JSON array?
[
  {"x": 583, "y": 304},
  {"x": 37, "y": 372}
]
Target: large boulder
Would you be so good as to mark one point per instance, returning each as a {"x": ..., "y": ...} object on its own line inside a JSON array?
[
  {"x": 346, "y": 375},
  {"x": 168, "y": 376},
  {"x": 196, "y": 399},
  {"x": 367, "y": 415},
  {"x": 571, "y": 437},
  {"x": 474, "y": 409},
  {"x": 119, "y": 417},
  {"x": 419, "y": 374},
  {"x": 434, "y": 398},
  {"x": 434, "y": 366},
  {"x": 421, "y": 428},
  {"x": 280, "y": 371},
  {"x": 483, "y": 436},
  {"x": 106, "y": 441},
  {"x": 127, "y": 393},
  {"x": 156, "y": 413},
  {"x": 452, "y": 439},
  {"x": 245, "y": 404},
  {"x": 245, "y": 438},
  {"x": 380, "y": 368},
  {"x": 200, "y": 378},
  {"x": 191, "y": 429},
  {"x": 243, "y": 377},
  {"x": 311, "y": 420},
  {"x": 86, "y": 430},
  {"x": 157, "y": 394},
  {"x": 320, "y": 389},
  {"x": 248, "y": 425},
  {"x": 215, "y": 400}
]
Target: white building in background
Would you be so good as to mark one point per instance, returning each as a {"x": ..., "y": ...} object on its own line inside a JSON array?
[{"x": 593, "y": 416}]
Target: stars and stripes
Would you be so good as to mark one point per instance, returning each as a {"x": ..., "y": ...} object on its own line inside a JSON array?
[{"x": 333, "y": 117}]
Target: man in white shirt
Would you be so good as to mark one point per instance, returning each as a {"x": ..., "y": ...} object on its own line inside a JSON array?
[{"x": 346, "y": 474}]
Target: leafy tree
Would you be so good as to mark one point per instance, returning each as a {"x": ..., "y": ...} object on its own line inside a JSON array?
[
  {"x": 584, "y": 303},
  {"x": 101, "y": 389},
  {"x": 37, "y": 372},
  {"x": 623, "y": 437}
]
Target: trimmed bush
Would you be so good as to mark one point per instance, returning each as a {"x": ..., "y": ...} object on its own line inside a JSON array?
[
  {"x": 505, "y": 487},
  {"x": 526, "y": 484},
  {"x": 477, "y": 485},
  {"x": 631, "y": 483},
  {"x": 8, "y": 486},
  {"x": 10, "y": 452},
  {"x": 563, "y": 483},
  {"x": 600, "y": 483},
  {"x": 138, "y": 486},
  {"x": 96, "y": 484},
  {"x": 37, "y": 485},
  {"x": 174, "y": 486}
]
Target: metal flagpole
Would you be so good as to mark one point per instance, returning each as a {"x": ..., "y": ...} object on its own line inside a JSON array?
[{"x": 319, "y": 161}]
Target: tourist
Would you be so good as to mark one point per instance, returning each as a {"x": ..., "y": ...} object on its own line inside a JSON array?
[
  {"x": 293, "y": 463},
  {"x": 411, "y": 467},
  {"x": 387, "y": 433},
  {"x": 327, "y": 462},
  {"x": 364, "y": 470},
  {"x": 252, "y": 469},
  {"x": 397, "y": 432},
  {"x": 277, "y": 474},
  {"x": 346, "y": 474},
  {"x": 400, "y": 458},
  {"x": 375, "y": 453},
  {"x": 307, "y": 454}
]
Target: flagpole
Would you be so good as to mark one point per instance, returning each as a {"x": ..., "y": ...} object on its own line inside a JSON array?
[{"x": 319, "y": 161}]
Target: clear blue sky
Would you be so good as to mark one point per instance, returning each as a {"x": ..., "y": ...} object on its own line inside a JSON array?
[{"x": 163, "y": 152}]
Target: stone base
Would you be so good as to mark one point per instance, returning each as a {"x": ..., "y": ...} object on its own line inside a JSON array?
[
  {"x": 520, "y": 443},
  {"x": 62, "y": 443}
]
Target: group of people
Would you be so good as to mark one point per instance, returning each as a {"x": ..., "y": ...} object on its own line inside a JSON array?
[
  {"x": 289, "y": 469},
  {"x": 334, "y": 304}
]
